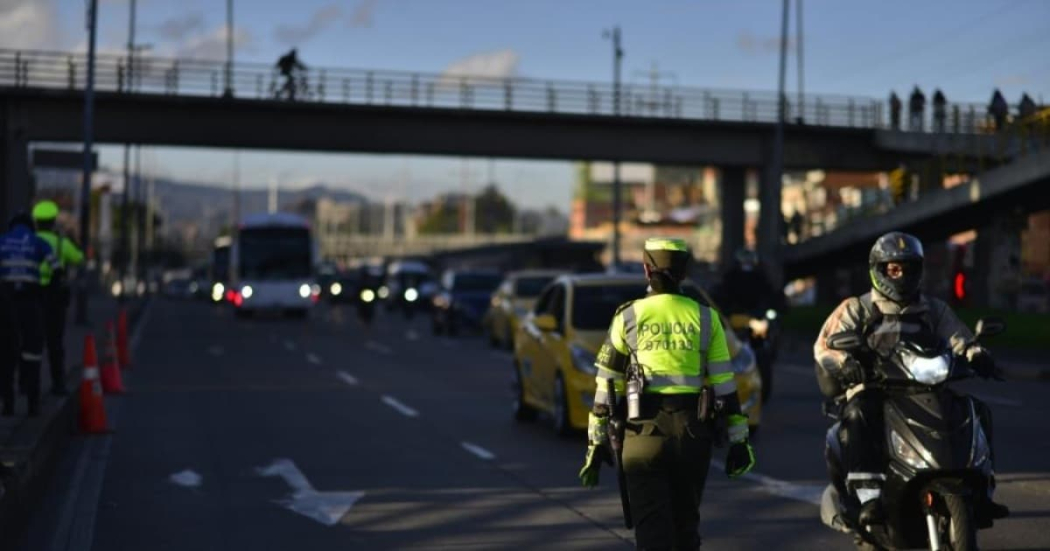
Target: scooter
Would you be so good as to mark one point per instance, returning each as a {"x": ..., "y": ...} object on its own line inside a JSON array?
[
  {"x": 762, "y": 331},
  {"x": 939, "y": 466}
]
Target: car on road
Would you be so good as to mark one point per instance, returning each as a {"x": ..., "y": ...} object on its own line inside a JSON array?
[
  {"x": 556, "y": 345},
  {"x": 512, "y": 301},
  {"x": 409, "y": 286},
  {"x": 461, "y": 302}
]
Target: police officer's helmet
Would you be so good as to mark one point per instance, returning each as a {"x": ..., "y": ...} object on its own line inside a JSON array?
[
  {"x": 669, "y": 256},
  {"x": 45, "y": 211},
  {"x": 20, "y": 218},
  {"x": 901, "y": 248},
  {"x": 746, "y": 259}
]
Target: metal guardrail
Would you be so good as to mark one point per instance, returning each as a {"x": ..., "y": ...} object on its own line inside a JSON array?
[{"x": 188, "y": 77}]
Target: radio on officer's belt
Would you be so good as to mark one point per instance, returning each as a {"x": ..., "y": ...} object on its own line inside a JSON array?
[{"x": 634, "y": 399}]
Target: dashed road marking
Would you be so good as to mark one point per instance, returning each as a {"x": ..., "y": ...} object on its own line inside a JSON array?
[
  {"x": 346, "y": 378},
  {"x": 401, "y": 408},
  {"x": 807, "y": 493},
  {"x": 477, "y": 450},
  {"x": 313, "y": 358},
  {"x": 378, "y": 347}
]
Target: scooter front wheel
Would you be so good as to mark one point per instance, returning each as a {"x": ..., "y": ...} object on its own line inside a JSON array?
[{"x": 962, "y": 532}]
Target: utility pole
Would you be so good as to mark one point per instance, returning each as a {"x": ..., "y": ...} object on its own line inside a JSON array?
[
  {"x": 228, "y": 92},
  {"x": 80, "y": 313},
  {"x": 236, "y": 215},
  {"x": 770, "y": 217},
  {"x": 801, "y": 94},
  {"x": 617, "y": 207},
  {"x": 125, "y": 209}
]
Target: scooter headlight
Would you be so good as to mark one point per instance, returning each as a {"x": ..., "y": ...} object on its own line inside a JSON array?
[
  {"x": 906, "y": 453},
  {"x": 928, "y": 371}
]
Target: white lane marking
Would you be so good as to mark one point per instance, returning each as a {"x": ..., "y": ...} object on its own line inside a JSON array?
[
  {"x": 808, "y": 493},
  {"x": 477, "y": 450},
  {"x": 997, "y": 401},
  {"x": 346, "y": 377},
  {"x": 313, "y": 358},
  {"x": 378, "y": 347},
  {"x": 796, "y": 369},
  {"x": 215, "y": 350},
  {"x": 401, "y": 408},
  {"x": 411, "y": 335},
  {"x": 324, "y": 507},
  {"x": 187, "y": 478},
  {"x": 289, "y": 345}
]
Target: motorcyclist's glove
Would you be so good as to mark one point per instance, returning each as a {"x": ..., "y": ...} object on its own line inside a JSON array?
[
  {"x": 852, "y": 372},
  {"x": 740, "y": 459},
  {"x": 982, "y": 363}
]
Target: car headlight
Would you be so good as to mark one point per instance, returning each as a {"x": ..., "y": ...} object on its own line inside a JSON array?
[
  {"x": 744, "y": 361},
  {"x": 583, "y": 360},
  {"x": 384, "y": 292},
  {"x": 217, "y": 291},
  {"x": 247, "y": 292},
  {"x": 771, "y": 314},
  {"x": 411, "y": 294},
  {"x": 928, "y": 371},
  {"x": 906, "y": 453},
  {"x": 336, "y": 289},
  {"x": 304, "y": 290},
  {"x": 368, "y": 295}
]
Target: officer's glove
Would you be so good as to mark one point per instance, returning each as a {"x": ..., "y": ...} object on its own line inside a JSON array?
[
  {"x": 597, "y": 449},
  {"x": 982, "y": 363},
  {"x": 740, "y": 459}
]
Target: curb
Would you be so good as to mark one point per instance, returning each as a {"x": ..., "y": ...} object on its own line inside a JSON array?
[{"x": 45, "y": 440}]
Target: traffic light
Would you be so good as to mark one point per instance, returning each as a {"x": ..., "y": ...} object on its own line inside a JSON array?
[{"x": 897, "y": 177}]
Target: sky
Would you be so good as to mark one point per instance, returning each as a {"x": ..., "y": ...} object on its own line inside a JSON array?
[{"x": 965, "y": 47}]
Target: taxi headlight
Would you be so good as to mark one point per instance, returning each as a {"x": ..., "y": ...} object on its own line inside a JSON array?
[
  {"x": 583, "y": 360},
  {"x": 744, "y": 361},
  {"x": 304, "y": 290},
  {"x": 247, "y": 292},
  {"x": 928, "y": 371},
  {"x": 336, "y": 289},
  {"x": 906, "y": 453}
]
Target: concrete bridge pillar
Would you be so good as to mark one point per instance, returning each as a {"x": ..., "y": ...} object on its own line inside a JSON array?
[
  {"x": 732, "y": 190},
  {"x": 15, "y": 187},
  {"x": 996, "y": 274}
]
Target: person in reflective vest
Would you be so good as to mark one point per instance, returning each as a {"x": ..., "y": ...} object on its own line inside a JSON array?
[
  {"x": 668, "y": 354},
  {"x": 55, "y": 291},
  {"x": 21, "y": 254}
]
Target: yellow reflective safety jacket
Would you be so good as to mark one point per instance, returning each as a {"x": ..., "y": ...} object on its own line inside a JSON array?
[{"x": 66, "y": 253}]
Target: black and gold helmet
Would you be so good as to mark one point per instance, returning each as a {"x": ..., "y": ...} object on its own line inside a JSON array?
[{"x": 901, "y": 248}]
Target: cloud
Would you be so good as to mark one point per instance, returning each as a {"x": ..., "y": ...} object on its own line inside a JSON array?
[
  {"x": 177, "y": 29},
  {"x": 363, "y": 14},
  {"x": 479, "y": 67},
  {"x": 29, "y": 24},
  {"x": 212, "y": 45},
  {"x": 752, "y": 45},
  {"x": 297, "y": 34}
]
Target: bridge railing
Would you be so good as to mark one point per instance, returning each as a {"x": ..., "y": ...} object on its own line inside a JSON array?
[{"x": 160, "y": 75}]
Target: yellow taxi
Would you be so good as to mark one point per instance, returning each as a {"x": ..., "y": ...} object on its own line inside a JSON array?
[
  {"x": 512, "y": 301},
  {"x": 556, "y": 344}
]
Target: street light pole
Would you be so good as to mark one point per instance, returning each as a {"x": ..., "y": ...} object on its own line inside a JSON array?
[
  {"x": 80, "y": 308},
  {"x": 617, "y": 206},
  {"x": 770, "y": 217},
  {"x": 229, "y": 49}
]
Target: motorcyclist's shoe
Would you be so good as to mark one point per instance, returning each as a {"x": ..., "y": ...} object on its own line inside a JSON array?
[
  {"x": 871, "y": 513},
  {"x": 990, "y": 509}
]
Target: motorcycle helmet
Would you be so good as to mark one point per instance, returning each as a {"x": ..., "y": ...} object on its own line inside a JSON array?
[
  {"x": 902, "y": 248},
  {"x": 21, "y": 218}
]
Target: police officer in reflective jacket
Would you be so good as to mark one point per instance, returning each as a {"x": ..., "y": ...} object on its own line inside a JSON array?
[
  {"x": 675, "y": 350},
  {"x": 55, "y": 291},
  {"x": 21, "y": 255}
]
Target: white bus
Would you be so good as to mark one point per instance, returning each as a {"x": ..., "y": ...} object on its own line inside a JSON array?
[{"x": 272, "y": 265}]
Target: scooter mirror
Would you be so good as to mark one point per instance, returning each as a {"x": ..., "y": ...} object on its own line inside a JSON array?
[
  {"x": 845, "y": 341},
  {"x": 988, "y": 327}
]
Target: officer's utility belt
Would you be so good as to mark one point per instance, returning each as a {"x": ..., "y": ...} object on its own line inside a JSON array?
[{"x": 652, "y": 402}]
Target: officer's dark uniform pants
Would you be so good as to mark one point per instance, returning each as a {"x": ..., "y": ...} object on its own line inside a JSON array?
[
  {"x": 25, "y": 310},
  {"x": 56, "y": 303},
  {"x": 666, "y": 458}
]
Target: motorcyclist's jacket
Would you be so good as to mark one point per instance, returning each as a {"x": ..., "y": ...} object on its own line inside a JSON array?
[
  {"x": 66, "y": 253},
  {"x": 21, "y": 254},
  {"x": 675, "y": 343},
  {"x": 892, "y": 322}
]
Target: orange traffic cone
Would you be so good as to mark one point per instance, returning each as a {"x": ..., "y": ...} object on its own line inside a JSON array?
[
  {"x": 92, "y": 410},
  {"x": 124, "y": 354},
  {"x": 112, "y": 382}
]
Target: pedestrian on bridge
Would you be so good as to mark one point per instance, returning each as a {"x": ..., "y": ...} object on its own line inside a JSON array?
[
  {"x": 55, "y": 291},
  {"x": 895, "y": 111},
  {"x": 669, "y": 355},
  {"x": 998, "y": 109},
  {"x": 916, "y": 106},
  {"x": 21, "y": 255},
  {"x": 940, "y": 111}
]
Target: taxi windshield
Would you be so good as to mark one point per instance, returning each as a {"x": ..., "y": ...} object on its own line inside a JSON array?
[{"x": 593, "y": 306}]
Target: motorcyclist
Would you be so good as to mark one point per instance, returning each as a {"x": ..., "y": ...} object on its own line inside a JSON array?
[
  {"x": 893, "y": 309},
  {"x": 288, "y": 65},
  {"x": 745, "y": 288}
]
